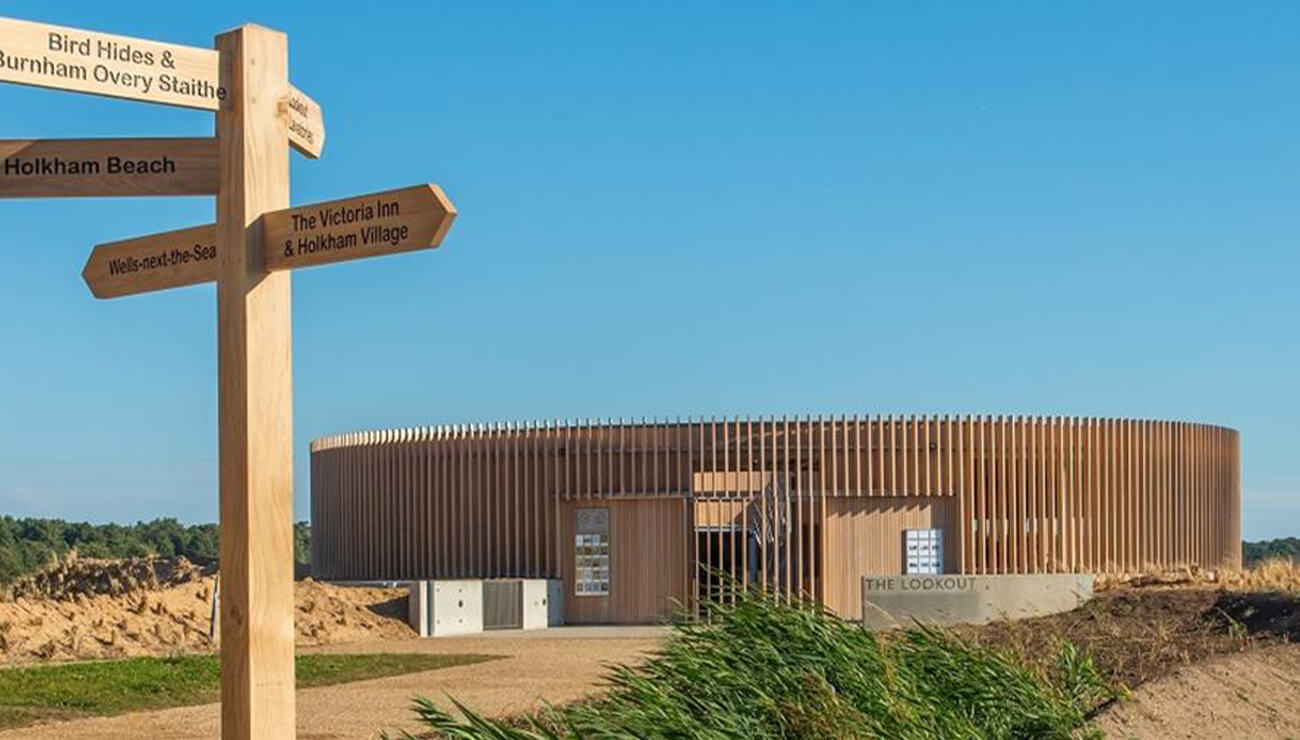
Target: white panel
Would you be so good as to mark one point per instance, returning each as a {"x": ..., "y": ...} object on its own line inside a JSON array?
[
  {"x": 457, "y": 608},
  {"x": 537, "y": 604}
]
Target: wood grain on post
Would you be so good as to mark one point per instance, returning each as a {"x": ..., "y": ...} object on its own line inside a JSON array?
[
  {"x": 255, "y": 396},
  {"x": 76, "y": 168}
]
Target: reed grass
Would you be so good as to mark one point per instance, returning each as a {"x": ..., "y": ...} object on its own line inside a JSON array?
[
  {"x": 764, "y": 669},
  {"x": 1272, "y": 574}
]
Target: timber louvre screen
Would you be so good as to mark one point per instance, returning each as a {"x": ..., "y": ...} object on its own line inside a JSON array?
[{"x": 800, "y": 506}]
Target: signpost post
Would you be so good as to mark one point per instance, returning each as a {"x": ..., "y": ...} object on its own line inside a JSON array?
[
  {"x": 256, "y": 240},
  {"x": 255, "y": 396}
]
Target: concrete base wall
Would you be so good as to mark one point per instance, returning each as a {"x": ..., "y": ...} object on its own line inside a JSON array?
[
  {"x": 417, "y": 607},
  {"x": 899, "y": 601}
]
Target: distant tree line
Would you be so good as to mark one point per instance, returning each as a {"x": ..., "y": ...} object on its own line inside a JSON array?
[
  {"x": 1286, "y": 547},
  {"x": 27, "y": 545}
]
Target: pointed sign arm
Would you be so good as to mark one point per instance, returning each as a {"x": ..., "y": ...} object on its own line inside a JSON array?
[
  {"x": 306, "y": 123},
  {"x": 172, "y": 259},
  {"x": 72, "y": 59},
  {"x": 75, "y": 168},
  {"x": 391, "y": 222},
  {"x": 64, "y": 58}
]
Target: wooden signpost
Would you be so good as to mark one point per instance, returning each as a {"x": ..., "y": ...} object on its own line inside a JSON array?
[
  {"x": 249, "y": 252},
  {"x": 137, "y": 69}
]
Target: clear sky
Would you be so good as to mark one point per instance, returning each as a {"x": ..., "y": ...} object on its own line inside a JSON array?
[{"x": 703, "y": 208}]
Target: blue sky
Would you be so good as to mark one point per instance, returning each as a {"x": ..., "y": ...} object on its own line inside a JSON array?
[{"x": 703, "y": 208}]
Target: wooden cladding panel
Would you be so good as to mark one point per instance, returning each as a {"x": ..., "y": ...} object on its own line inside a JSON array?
[
  {"x": 1024, "y": 494},
  {"x": 867, "y": 538},
  {"x": 645, "y": 560}
]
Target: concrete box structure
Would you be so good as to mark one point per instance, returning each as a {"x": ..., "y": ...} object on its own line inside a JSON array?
[
  {"x": 537, "y": 610},
  {"x": 446, "y": 607},
  {"x": 898, "y": 601},
  {"x": 635, "y": 518},
  {"x": 457, "y": 607}
]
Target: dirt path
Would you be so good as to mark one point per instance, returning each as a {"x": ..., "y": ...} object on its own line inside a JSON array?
[
  {"x": 540, "y": 665},
  {"x": 1249, "y": 695}
]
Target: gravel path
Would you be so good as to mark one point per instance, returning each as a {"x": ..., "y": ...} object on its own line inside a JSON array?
[{"x": 556, "y": 665}]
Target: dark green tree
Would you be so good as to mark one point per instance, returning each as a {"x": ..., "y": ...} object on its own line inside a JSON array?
[
  {"x": 1256, "y": 552},
  {"x": 27, "y": 545}
]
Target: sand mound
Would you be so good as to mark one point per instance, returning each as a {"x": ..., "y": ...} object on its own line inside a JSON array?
[
  {"x": 75, "y": 577},
  {"x": 1250, "y": 695},
  {"x": 329, "y": 614},
  {"x": 107, "y": 610}
]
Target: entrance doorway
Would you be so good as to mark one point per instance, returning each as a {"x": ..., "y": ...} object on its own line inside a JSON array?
[{"x": 726, "y": 556}]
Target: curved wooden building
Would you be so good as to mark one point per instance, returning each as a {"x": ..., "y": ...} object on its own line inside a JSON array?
[{"x": 634, "y": 516}]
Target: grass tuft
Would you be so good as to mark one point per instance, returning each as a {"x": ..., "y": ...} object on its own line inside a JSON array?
[
  {"x": 763, "y": 669},
  {"x": 65, "y": 691}
]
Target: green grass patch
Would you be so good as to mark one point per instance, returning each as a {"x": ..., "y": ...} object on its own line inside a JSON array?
[
  {"x": 763, "y": 669},
  {"x": 48, "y": 692}
]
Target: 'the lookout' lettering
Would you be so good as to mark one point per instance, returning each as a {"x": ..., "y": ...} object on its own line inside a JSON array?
[{"x": 920, "y": 584}]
